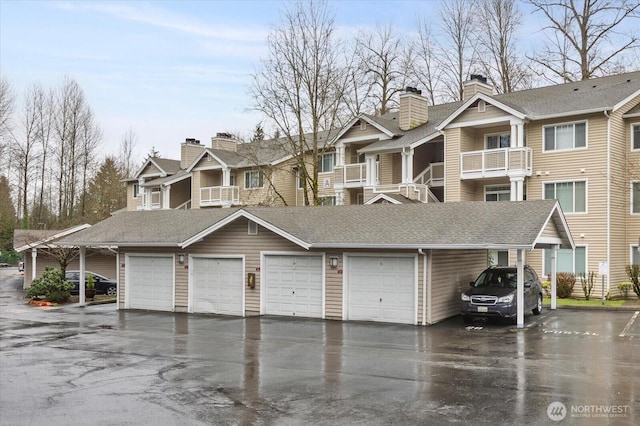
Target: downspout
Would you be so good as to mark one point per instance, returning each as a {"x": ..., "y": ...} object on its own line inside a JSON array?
[
  {"x": 424, "y": 286},
  {"x": 606, "y": 114}
]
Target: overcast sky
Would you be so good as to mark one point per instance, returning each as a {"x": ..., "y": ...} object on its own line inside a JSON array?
[{"x": 168, "y": 70}]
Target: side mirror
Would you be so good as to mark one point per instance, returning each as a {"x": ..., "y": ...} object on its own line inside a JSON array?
[{"x": 471, "y": 283}]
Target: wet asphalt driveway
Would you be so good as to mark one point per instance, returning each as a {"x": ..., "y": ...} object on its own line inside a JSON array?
[{"x": 96, "y": 365}]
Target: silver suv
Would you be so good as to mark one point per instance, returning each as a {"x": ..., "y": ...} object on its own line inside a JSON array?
[{"x": 493, "y": 294}]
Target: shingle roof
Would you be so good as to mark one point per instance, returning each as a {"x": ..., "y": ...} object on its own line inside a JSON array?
[
  {"x": 435, "y": 225},
  {"x": 168, "y": 165}
]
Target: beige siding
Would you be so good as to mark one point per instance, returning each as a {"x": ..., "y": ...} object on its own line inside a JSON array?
[
  {"x": 180, "y": 193},
  {"x": 355, "y": 132},
  {"x": 196, "y": 184},
  {"x": 472, "y": 114},
  {"x": 132, "y": 202},
  {"x": 150, "y": 170},
  {"x": 449, "y": 279},
  {"x": 188, "y": 153},
  {"x": 550, "y": 231}
]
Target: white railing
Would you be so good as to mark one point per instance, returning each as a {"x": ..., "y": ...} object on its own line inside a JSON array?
[
  {"x": 219, "y": 196},
  {"x": 412, "y": 191},
  {"x": 496, "y": 163},
  {"x": 353, "y": 175},
  {"x": 433, "y": 175}
]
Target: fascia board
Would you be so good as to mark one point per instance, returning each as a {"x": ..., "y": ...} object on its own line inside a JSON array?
[
  {"x": 470, "y": 101},
  {"x": 626, "y": 100},
  {"x": 201, "y": 155},
  {"x": 60, "y": 234},
  {"x": 423, "y": 246},
  {"x": 569, "y": 113}
]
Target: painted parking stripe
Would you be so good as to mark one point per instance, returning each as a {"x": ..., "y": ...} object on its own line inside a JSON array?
[{"x": 629, "y": 324}]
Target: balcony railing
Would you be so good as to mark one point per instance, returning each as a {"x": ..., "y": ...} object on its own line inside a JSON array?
[
  {"x": 352, "y": 175},
  {"x": 433, "y": 175},
  {"x": 412, "y": 191},
  {"x": 492, "y": 163},
  {"x": 219, "y": 196}
]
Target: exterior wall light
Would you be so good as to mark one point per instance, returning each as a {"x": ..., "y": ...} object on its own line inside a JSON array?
[
  {"x": 333, "y": 262},
  {"x": 181, "y": 258}
]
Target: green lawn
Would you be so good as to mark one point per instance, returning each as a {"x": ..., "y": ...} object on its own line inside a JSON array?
[{"x": 577, "y": 302}]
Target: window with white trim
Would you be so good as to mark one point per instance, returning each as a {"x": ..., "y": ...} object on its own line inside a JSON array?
[
  {"x": 497, "y": 193},
  {"x": 565, "y": 136},
  {"x": 635, "y": 255},
  {"x": 567, "y": 260},
  {"x": 253, "y": 179},
  {"x": 635, "y": 197},
  {"x": 635, "y": 137},
  {"x": 252, "y": 228},
  {"x": 571, "y": 195},
  {"x": 326, "y": 163},
  {"x": 136, "y": 190},
  {"x": 499, "y": 257},
  {"x": 502, "y": 140},
  {"x": 327, "y": 201}
]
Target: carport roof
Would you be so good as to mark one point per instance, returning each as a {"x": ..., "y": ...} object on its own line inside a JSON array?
[{"x": 464, "y": 225}]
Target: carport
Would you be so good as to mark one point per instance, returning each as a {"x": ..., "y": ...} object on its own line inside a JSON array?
[{"x": 270, "y": 238}]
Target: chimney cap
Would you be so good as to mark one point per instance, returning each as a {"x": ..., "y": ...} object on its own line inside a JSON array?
[
  {"x": 224, "y": 135},
  {"x": 479, "y": 77},
  {"x": 411, "y": 89},
  {"x": 192, "y": 140}
]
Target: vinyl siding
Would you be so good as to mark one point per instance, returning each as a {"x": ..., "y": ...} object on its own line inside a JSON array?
[
  {"x": 188, "y": 153},
  {"x": 196, "y": 184},
  {"x": 472, "y": 114},
  {"x": 355, "y": 132},
  {"x": 150, "y": 170},
  {"x": 449, "y": 279},
  {"x": 180, "y": 193}
]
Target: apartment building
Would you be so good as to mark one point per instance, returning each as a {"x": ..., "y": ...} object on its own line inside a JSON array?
[{"x": 576, "y": 142}]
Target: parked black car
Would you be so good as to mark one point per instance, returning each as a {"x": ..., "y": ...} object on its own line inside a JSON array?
[
  {"x": 103, "y": 284},
  {"x": 493, "y": 294}
]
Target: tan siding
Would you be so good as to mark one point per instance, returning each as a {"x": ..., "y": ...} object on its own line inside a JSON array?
[
  {"x": 472, "y": 114},
  {"x": 449, "y": 279},
  {"x": 150, "y": 170},
  {"x": 180, "y": 193},
  {"x": 196, "y": 184},
  {"x": 132, "y": 202},
  {"x": 188, "y": 153},
  {"x": 206, "y": 162},
  {"x": 355, "y": 132},
  {"x": 333, "y": 286},
  {"x": 550, "y": 231}
]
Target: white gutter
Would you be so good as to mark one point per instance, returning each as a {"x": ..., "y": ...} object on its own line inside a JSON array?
[
  {"x": 569, "y": 113},
  {"x": 606, "y": 113}
]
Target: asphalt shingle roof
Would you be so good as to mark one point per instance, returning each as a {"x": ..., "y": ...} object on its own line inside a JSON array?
[{"x": 435, "y": 225}]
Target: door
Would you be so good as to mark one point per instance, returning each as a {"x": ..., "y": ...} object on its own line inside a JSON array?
[
  {"x": 149, "y": 283},
  {"x": 217, "y": 285},
  {"x": 293, "y": 285},
  {"x": 381, "y": 289}
]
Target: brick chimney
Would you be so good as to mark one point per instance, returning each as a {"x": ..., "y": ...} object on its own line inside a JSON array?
[
  {"x": 189, "y": 150},
  {"x": 224, "y": 141},
  {"x": 414, "y": 109},
  {"x": 476, "y": 84}
]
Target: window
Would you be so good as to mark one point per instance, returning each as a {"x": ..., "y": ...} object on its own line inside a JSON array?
[
  {"x": 327, "y": 201},
  {"x": 497, "y": 193},
  {"x": 252, "y": 228},
  {"x": 635, "y": 197},
  {"x": 574, "y": 261},
  {"x": 571, "y": 195},
  {"x": 635, "y": 255},
  {"x": 499, "y": 257},
  {"x": 253, "y": 179},
  {"x": 326, "y": 162},
  {"x": 232, "y": 180},
  {"x": 635, "y": 137},
  {"x": 565, "y": 136},
  {"x": 136, "y": 190},
  {"x": 498, "y": 141}
]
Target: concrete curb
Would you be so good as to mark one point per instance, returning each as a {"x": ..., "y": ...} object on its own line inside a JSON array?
[{"x": 596, "y": 308}]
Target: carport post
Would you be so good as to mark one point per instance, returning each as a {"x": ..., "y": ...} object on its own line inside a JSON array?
[
  {"x": 554, "y": 255},
  {"x": 520, "y": 289},
  {"x": 81, "y": 293}
]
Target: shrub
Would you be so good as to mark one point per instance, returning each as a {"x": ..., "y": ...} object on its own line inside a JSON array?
[
  {"x": 51, "y": 286},
  {"x": 588, "y": 282},
  {"x": 624, "y": 287},
  {"x": 546, "y": 288},
  {"x": 565, "y": 282},
  {"x": 633, "y": 272}
]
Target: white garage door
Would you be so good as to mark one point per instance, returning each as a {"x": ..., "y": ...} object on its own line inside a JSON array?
[
  {"x": 381, "y": 289},
  {"x": 293, "y": 285},
  {"x": 150, "y": 282},
  {"x": 217, "y": 286}
]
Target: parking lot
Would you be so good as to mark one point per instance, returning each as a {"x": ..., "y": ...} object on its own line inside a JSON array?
[{"x": 74, "y": 365}]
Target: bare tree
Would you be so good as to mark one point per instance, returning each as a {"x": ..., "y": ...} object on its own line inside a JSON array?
[
  {"x": 90, "y": 136},
  {"x": 383, "y": 65},
  {"x": 458, "y": 54},
  {"x": 586, "y": 39},
  {"x": 426, "y": 72},
  {"x": 7, "y": 105},
  {"x": 125, "y": 157},
  {"x": 502, "y": 63},
  {"x": 44, "y": 109},
  {"x": 300, "y": 86}
]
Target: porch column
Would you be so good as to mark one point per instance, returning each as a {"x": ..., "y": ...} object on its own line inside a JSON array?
[
  {"x": 517, "y": 134},
  {"x": 370, "y": 161},
  {"x": 517, "y": 188},
  {"x": 81, "y": 292},
  {"x": 340, "y": 155},
  {"x": 520, "y": 289},
  {"x": 226, "y": 177},
  {"x": 554, "y": 265},
  {"x": 166, "y": 197},
  {"x": 339, "y": 197},
  {"x": 407, "y": 166},
  {"x": 34, "y": 256}
]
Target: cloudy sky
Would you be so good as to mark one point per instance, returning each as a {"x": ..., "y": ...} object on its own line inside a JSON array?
[{"x": 168, "y": 70}]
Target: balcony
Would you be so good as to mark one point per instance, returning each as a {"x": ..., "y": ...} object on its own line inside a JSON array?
[
  {"x": 352, "y": 175},
  {"x": 411, "y": 191},
  {"x": 492, "y": 163},
  {"x": 219, "y": 196},
  {"x": 433, "y": 175}
]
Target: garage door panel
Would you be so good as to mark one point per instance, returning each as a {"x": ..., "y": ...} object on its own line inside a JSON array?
[
  {"x": 293, "y": 285},
  {"x": 217, "y": 285},
  {"x": 150, "y": 283},
  {"x": 381, "y": 289}
]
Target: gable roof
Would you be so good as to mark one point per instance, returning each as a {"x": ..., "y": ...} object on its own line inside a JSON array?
[
  {"x": 165, "y": 165},
  {"x": 409, "y": 226},
  {"x": 24, "y": 239}
]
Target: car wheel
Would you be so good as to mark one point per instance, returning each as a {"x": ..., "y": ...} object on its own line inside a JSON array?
[
  {"x": 112, "y": 291},
  {"x": 538, "y": 308}
]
